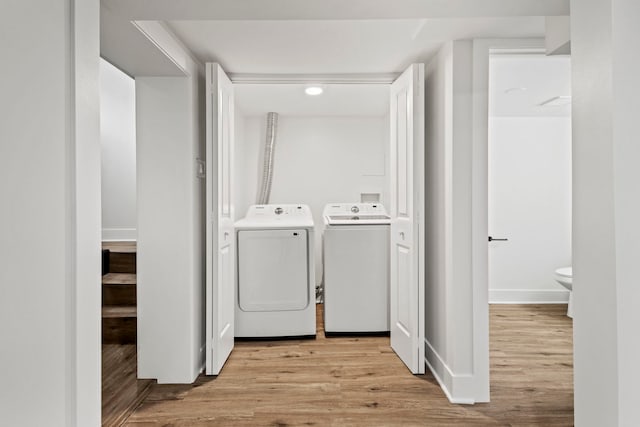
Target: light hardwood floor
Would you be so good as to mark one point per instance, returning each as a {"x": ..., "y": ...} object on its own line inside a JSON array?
[{"x": 360, "y": 382}]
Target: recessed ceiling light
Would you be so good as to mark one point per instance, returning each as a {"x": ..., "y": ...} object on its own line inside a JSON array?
[
  {"x": 557, "y": 101},
  {"x": 313, "y": 90}
]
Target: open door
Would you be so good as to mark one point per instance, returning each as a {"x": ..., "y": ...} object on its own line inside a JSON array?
[
  {"x": 220, "y": 251},
  {"x": 407, "y": 231}
]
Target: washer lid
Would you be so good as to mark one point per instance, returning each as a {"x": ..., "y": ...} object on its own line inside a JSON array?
[{"x": 355, "y": 214}]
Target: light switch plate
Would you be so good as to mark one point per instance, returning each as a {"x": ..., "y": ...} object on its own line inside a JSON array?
[{"x": 201, "y": 168}]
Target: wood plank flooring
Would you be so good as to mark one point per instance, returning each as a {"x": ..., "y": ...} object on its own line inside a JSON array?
[
  {"x": 358, "y": 381},
  {"x": 121, "y": 391}
]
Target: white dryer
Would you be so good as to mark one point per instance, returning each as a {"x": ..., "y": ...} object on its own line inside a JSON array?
[
  {"x": 276, "y": 279},
  {"x": 356, "y": 268}
]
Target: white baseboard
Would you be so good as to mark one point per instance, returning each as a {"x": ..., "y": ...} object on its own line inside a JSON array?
[
  {"x": 528, "y": 296},
  {"x": 119, "y": 234},
  {"x": 457, "y": 388}
]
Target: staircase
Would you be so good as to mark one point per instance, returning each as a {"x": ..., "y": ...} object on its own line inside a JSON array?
[{"x": 119, "y": 321}]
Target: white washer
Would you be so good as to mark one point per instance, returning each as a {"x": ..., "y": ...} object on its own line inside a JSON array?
[
  {"x": 356, "y": 268},
  {"x": 276, "y": 276}
]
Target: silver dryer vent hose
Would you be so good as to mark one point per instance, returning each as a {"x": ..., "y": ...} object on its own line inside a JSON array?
[{"x": 267, "y": 167}]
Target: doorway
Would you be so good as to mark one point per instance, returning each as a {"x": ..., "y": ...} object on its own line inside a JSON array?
[
  {"x": 529, "y": 224},
  {"x": 529, "y": 176},
  {"x": 121, "y": 389},
  {"x": 406, "y": 177}
]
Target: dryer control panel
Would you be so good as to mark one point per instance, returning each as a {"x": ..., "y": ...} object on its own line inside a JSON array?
[{"x": 278, "y": 211}]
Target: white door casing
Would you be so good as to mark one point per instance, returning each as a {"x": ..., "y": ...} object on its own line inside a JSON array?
[
  {"x": 220, "y": 251},
  {"x": 407, "y": 232}
]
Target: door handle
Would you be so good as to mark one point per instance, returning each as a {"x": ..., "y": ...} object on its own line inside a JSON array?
[
  {"x": 402, "y": 235},
  {"x": 493, "y": 239}
]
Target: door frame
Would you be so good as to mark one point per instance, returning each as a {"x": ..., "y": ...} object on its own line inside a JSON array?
[{"x": 482, "y": 49}]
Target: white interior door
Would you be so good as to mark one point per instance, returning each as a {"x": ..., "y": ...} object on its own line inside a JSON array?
[
  {"x": 407, "y": 233},
  {"x": 220, "y": 252}
]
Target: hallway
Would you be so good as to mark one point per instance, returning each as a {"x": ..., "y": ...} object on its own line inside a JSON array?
[{"x": 359, "y": 381}]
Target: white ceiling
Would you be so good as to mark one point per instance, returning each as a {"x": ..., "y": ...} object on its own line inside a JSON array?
[
  {"x": 330, "y": 47},
  {"x": 169, "y": 10},
  {"x": 520, "y": 83},
  {"x": 317, "y": 36},
  {"x": 124, "y": 46},
  {"x": 290, "y": 99}
]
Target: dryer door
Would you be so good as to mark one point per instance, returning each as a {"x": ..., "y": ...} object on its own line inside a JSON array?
[{"x": 273, "y": 270}]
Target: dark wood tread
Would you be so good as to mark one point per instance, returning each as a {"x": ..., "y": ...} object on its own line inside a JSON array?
[
  {"x": 119, "y": 311},
  {"x": 119, "y": 279},
  {"x": 120, "y": 247}
]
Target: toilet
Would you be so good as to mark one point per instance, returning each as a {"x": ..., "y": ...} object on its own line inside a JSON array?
[{"x": 564, "y": 276}]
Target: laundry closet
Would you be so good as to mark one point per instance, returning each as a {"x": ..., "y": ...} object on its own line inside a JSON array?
[
  {"x": 357, "y": 141},
  {"x": 332, "y": 147}
]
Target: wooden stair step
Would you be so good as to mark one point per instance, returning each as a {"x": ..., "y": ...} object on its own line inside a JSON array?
[
  {"x": 119, "y": 289},
  {"x": 122, "y": 262},
  {"x": 119, "y": 330},
  {"x": 119, "y": 279},
  {"x": 119, "y": 315},
  {"x": 121, "y": 247},
  {"x": 119, "y": 324},
  {"x": 122, "y": 256},
  {"x": 119, "y": 311}
]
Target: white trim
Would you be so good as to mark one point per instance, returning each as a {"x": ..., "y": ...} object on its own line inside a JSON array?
[
  {"x": 379, "y": 78},
  {"x": 170, "y": 45},
  {"x": 83, "y": 187},
  {"x": 157, "y": 34},
  {"x": 449, "y": 382},
  {"x": 119, "y": 234},
  {"x": 528, "y": 296},
  {"x": 283, "y": 10},
  {"x": 71, "y": 242},
  {"x": 482, "y": 48},
  {"x": 519, "y": 51}
]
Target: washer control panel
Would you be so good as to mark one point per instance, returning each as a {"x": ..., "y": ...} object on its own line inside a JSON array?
[{"x": 355, "y": 213}]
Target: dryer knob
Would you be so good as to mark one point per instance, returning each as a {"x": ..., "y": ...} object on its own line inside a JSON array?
[
  {"x": 279, "y": 211},
  {"x": 355, "y": 209}
]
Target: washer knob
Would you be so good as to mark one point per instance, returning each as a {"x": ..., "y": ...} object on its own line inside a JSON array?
[
  {"x": 355, "y": 209},
  {"x": 279, "y": 211}
]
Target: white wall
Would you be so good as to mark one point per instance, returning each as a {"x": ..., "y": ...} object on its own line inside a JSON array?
[
  {"x": 530, "y": 204},
  {"x": 318, "y": 160},
  {"x": 170, "y": 228},
  {"x": 246, "y": 166},
  {"x": 118, "y": 140},
  {"x": 606, "y": 230},
  {"x": 50, "y": 216},
  {"x": 449, "y": 294}
]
